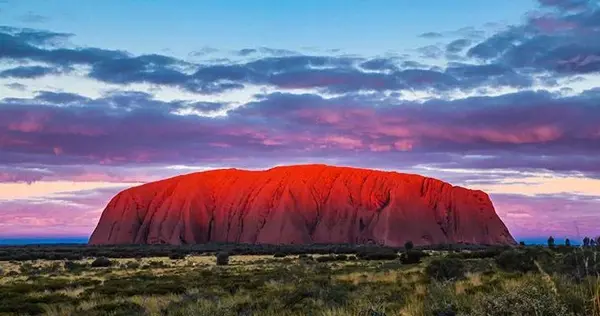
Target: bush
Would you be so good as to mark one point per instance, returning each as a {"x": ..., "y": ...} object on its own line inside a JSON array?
[
  {"x": 101, "y": 262},
  {"x": 279, "y": 255},
  {"x": 580, "y": 264},
  {"x": 409, "y": 245},
  {"x": 116, "y": 309},
  {"x": 133, "y": 265},
  {"x": 329, "y": 258},
  {"x": 516, "y": 261},
  {"x": 222, "y": 259},
  {"x": 341, "y": 257},
  {"x": 73, "y": 266},
  {"x": 528, "y": 298},
  {"x": 445, "y": 269},
  {"x": 412, "y": 257},
  {"x": 380, "y": 254},
  {"x": 176, "y": 256}
]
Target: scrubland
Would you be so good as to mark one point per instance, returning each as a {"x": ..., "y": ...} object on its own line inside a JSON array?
[{"x": 509, "y": 281}]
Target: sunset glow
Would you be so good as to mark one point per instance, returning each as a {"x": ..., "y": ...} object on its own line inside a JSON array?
[{"x": 503, "y": 99}]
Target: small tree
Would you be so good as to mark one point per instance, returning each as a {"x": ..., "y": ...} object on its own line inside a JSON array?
[
  {"x": 222, "y": 259},
  {"x": 409, "y": 245},
  {"x": 567, "y": 242},
  {"x": 444, "y": 269},
  {"x": 586, "y": 241},
  {"x": 522, "y": 243},
  {"x": 101, "y": 262},
  {"x": 551, "y": 242}
]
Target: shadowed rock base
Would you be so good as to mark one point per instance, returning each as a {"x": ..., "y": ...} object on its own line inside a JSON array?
[{"x": 300, "y": 205}]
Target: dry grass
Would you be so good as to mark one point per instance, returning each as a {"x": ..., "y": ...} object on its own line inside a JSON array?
[
  {"x": 155, "y": 304},
  {"x": 596, "y": 299},
  {"x": 414, "y": 307},
  {"x": 366, "y": 277},
  {"x": 382, "y": 286},
  {"x": 474, "y": 279}
]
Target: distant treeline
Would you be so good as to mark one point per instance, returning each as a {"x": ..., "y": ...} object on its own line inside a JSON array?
[{"x": 78, "y": 251}]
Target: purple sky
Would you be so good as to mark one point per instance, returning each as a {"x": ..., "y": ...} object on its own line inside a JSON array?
[{"x": 509, "y": 104}]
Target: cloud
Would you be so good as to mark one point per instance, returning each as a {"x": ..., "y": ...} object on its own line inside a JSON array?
[
  {"x": 34, "y": 36},
  {"x": 74, "y": 213},
  {"x": 565, "y": 5},
  {"x": 16, "y": 86},
  {"x": 431, "y": 35},
  {"x": 563, "y": 43},
  {"x": 278, "y": 69},
  {"x": 457, "y": 46},
  {"x": 127, "y": 128},
  {"x": 28, "y": 72},
  {"x": 558, "y": 216},
  {"x": 430, "y": 51}
]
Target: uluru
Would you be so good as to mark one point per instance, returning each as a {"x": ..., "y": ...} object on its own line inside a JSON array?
[{"x": 300, "y": 204}]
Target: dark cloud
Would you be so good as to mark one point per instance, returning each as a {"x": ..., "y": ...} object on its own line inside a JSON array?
[
  {"x": 16, "y": 86},
  {"x": 337, "y": 74},
  {"x": 29, "y": 72},
  {"x": 564, "y": 43},
  {"x": 430, "y": 51},
  {"x": 458, "y": 45},
  {"x": 265, "y": 51},
  {"x": 431, "y": 35},
  {"x": 566, "y": 5},
  {"x": 60, "y": 98},
  {"x": 35, "y": 36},
  {"x": 380, "y": 64}
]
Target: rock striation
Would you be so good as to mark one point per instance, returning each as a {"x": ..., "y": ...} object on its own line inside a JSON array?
[{"x": 300, "y": 204}]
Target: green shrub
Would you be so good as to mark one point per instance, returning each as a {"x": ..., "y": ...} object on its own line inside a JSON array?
[
  {"x": 222, "y": 259},
  {"x": 516, "y": 261},
  {"x": 133, "y": 265},
  {"x": 445, "y": 269},
  {"x": 377, "y": 254},
  {"x": 116, "y": 309},
  {"x": 73, "y": 266},
  {"x": 176, "y": 256},
  {"x": 412, "y": 256},
  {"x": 101, "y": 262},
  {"x": 341, "y": 257},
  {"x": 279, "y": 255},
  {"x": 329, "y": 258}
]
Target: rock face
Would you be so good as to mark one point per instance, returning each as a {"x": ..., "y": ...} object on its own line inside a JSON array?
[{"x": 299, "y": 205}]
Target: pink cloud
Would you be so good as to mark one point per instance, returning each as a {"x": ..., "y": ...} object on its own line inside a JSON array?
[
  {"x": 74, "y": 214},
  {"x": 564, "y": 216}
]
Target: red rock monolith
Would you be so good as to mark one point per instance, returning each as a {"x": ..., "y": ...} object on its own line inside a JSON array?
[{"x": 300, "y": 204}]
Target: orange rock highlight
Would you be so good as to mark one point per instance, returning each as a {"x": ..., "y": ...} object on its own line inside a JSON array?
[{"x": 300, "y": 204}]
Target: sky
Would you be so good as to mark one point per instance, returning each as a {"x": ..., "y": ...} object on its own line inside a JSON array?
[{"x": 98, "y": 96}]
